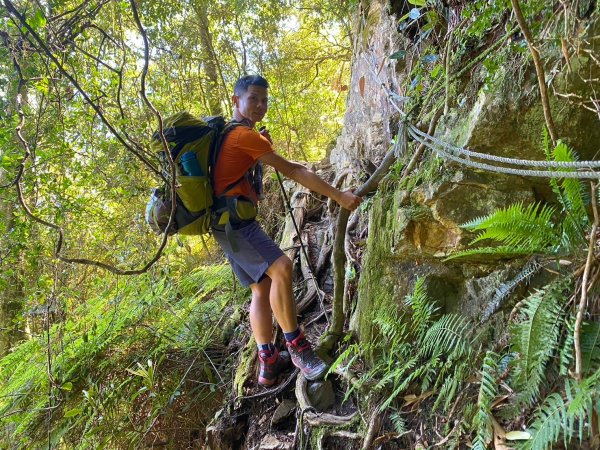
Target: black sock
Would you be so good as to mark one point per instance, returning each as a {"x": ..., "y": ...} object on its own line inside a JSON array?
[
  {"x": 289, "y": 337},
  {"x": 267, "y": 350}
]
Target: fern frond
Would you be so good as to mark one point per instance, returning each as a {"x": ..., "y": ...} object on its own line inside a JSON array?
[
  {"x": 536, "y": 337},
  {"x": 488, "y": 390},
  {"x": 446, "y": 336},
  {"x": 566, "y": 352},
  {"x": 590, "y": 346},
  {"x": 551, "y": 420},
  {"x": 573, "y": 197},
  {"x": 585, "y": 392},
  {"x": 499, "y": 252},
  {"x": 505, "y": 289},
  {"x": 398, "y": 422},
  {"x": 422, "y": 308},
  {"x": 528, "y": 226},
  {"x": 389, "y": 322}
]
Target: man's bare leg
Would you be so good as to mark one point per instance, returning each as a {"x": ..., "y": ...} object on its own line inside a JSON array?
[
  {"x": 284, "y": 309},
  {"x": 271, "y": 361},
  {"x": 281, "y": 296},
  {"x": 261, "y": 317}
]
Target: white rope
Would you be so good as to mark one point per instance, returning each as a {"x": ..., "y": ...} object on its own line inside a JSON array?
[
  {"x": 422, "y": 137},
  {"x": 522, "y": 162},
  {"x": 508, "y": 170}
]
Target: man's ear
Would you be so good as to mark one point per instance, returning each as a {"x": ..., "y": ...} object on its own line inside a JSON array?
[{"x": 235, "y": 99}]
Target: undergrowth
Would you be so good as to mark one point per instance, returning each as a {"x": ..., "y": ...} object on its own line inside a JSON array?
[
  {"x": 422, "y": 363},
  {"x": 124, "y": 366}
]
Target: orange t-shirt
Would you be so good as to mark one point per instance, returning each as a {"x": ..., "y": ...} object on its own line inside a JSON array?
[{"x": 241, "y": 148}]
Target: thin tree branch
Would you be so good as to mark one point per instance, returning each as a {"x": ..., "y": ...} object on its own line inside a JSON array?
[
  {"x": 58, "y": 229},
  {"x": 97, "y": 59},
  {"x": 18, "y": 180},
  {"x": 539, "y": 69},
  {"x": 158, "y": 118},
  {"x": 583, "y": 300},
  {"x": 11, "y": 8},
  {"x": 417, "y": 155}
]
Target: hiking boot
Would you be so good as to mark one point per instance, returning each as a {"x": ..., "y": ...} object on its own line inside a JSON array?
[
  {"x": 271, "y": 366},
  {"x": 305, "y": 359}
]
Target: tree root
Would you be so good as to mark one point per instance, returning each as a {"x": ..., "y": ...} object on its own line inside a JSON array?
[
  {"x": 313, "y": 418},
  {"x": 335, "y": 330},
  {"x": 313, "y": 291},
  {"x": 374, "y": 427},
  {"x": 274, "y": 391}
]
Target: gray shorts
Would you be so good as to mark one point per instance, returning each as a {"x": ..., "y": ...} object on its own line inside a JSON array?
[{"x": 255, "y": 253}]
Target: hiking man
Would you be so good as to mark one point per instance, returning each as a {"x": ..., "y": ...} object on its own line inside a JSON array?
[{"x": 256, "y": 260}]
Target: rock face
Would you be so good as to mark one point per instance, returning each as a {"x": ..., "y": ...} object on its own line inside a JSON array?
[
  {"x": 367, "y": 131},
  {"x": 414, "y": 226}
]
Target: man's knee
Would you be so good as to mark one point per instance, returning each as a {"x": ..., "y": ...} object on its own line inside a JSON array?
[
  {"x": 281, "y": 269},
  {"x": 260, "y": 290}
]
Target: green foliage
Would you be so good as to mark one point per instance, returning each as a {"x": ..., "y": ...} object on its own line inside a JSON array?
[
  {"x": 485, "y": 15},
  {"x": 535, "y": 337},
  {"x": 573, "y": 198},
  {"x": 565, "y": 417},
  {"x": 415, "y": 351},
  {"x": 488, "y": 390},
  {"x": 535, "y": 228},
  {"x": 590, "y": 346},
  {"x": 121, "y": 362}
]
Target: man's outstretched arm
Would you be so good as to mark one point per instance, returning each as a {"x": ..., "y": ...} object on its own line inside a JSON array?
[{"x": 310, "y": 180}]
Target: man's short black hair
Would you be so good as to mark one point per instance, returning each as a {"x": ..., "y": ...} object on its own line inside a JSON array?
[{"x": 246, "y": 81}]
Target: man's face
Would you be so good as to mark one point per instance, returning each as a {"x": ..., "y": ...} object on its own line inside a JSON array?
[{"x": 252, "y": 104}]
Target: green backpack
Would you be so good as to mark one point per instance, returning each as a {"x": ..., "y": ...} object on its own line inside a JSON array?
[{"x": 194, "y": 144}]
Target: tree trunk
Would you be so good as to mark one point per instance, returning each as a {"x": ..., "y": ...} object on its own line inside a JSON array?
[
  {"x": 209, "y": 59},
  {"x": 11, "y": 286}
]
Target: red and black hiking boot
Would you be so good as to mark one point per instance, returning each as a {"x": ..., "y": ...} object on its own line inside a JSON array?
[
  {"x": 271, "y": 366},
  {"x": 305, "y": 359}
]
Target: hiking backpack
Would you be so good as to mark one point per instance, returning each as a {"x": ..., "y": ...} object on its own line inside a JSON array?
[{"x": 194, "y": 145}]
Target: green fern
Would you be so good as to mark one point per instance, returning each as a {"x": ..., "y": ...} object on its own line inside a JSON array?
[
  {"x": 590, "y": 346},
  {"x": 446, "y": 336},
  {"x": 572, "y": 196},
  {"x": 422, "y": 308},
  {"x": 536, "y": 337},
  {"x": 488, "y": 390},
  {"x": 398, "y": 422},
  {"x": 417, "y": 350},
  {"x": 566, "y": 351},
  {"x": 567, "y": 416},
  {"x": 518, "y": 226},
  {"x": 551, "y": 421},
  {"x": 524, "y": 230},
  {"x": 487, "y": 253}
]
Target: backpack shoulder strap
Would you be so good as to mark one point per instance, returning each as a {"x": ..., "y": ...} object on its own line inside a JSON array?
[{"x": 217, "y": 144}]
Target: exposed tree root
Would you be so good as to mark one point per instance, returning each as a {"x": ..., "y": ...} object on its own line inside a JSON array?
[
  {"x": 373, "y": 430},
  {"x": 313, "y": 418},
  {"x": 280, "y": 388},
  {"x": 312, "y": 291}
]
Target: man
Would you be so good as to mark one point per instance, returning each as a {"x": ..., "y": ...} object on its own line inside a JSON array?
[{"x": 257, "y": 261}]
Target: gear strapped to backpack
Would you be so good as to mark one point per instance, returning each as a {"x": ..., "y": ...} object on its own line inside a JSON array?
[{"x": 194, "y": 145}]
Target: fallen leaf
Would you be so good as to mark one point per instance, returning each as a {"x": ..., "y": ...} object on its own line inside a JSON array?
[
  {"x": 499, "y": 437},
  {"x": 412, "y": 398},
  {"x": 498, "y": 401},
  {"x": 361, "y": 86},
  {"x": 517, "y": 436}
]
